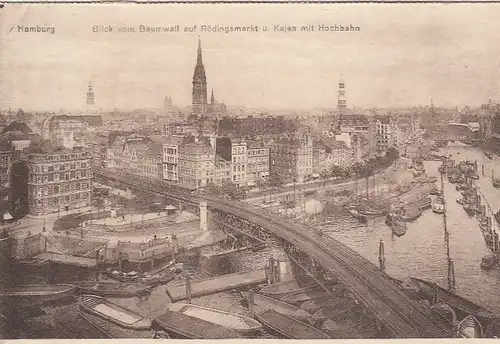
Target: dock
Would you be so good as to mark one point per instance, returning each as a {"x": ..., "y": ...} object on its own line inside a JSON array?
[
  {"x": 218, "y": 284},
  {"x": 64, "y": 259}
]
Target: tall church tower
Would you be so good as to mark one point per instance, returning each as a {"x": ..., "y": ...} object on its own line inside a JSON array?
[
  {"x": 341, "y": 103},
  {"x": 90, "y": 95},
  {"x": 199, "y": 103}
]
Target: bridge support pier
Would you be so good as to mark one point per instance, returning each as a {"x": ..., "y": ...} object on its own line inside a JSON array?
[{"x": 203, "y": 216}]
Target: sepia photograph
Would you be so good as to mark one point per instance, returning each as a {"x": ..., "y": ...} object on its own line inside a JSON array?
[{"x": 259, "y": 171}]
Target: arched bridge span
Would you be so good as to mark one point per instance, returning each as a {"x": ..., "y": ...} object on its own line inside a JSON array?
[{"x": 402, "y": 317}]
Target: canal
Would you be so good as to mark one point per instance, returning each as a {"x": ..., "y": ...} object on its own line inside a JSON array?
[{"x": 421, "y": 252}]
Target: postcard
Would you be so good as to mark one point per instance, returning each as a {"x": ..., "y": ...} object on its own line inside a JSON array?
[{"x": 259, "y": 171}]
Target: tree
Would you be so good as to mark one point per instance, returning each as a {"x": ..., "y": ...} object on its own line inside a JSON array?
[
  {"x": 276, "y": 179},
  {"x": 233, "y": 191}
]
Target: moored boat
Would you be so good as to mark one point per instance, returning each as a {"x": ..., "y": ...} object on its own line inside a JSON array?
[
  {"x": 287, "y": 326},
  {"x": 304, "y": 295},
  {"x": 283, "y": 288},
  {"x": 319, "y": 315},
  {"x": 30, "y": 295},
  {"x": 438, "y": 206},
  {"x": 112, "y": 289},
  {"x": 158, "y": 279},
  {"x": 391, "y": 216},
  {"x": 488, "y": 155},
  {"x": 121, "y": 275},
  {"x": 181, "y": 326},
  {"x": 470, "y": 327},
  {"x": 488, "y": 262},
  {"x": 430, "y": 289},
  {"x": 356, "y": 214},
  {"x": 411, "y": 213},
  {"x": 470, "y": 209},
  {"x": 279, "y": 306},
  {"x": 424, "y": 203},
  {"x": 497, "y": 217},
  {"x": 460, "y": 201},
  {"x": 399, "y": 227},
  {"x": 312, "y": 306},
  {"x": 237, "y": 322},
  {"x": 114, "y": 313}
]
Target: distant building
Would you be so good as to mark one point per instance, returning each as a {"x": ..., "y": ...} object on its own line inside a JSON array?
[
  {"x": 341, "y": 102},
  {"x": 5, "y": 169},
  {"x": 196, "y": 164},
  {"x": 171, "y": 158},
  {"x": 386, "y": 136},
  {"x": 59, "y": 181},
  {"x": 258, "y": 157},
  {"x": 90, "y": 96},
  {"x": 235, "y": 151},
  {"x": 329, "y": 152},
  {"x": 223, "y": 170},
  {"x": 167, "y": 102},
  {"x": 292, "y": 157},
  {"x": 137, "y": 155}
]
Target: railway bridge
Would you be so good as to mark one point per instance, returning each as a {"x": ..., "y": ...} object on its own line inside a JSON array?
[
  {"x": 452, "y": 132},
  {"x": 320, "y": 255}
]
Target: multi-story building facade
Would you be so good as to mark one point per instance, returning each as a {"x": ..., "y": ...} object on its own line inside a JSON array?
[
  {"x": 59, "y": 181},
  {"x": 292, "y": 157},
  {"x": 223, "y": 170},
  {"x": 171, "y": 158},
  {"x": 384, "y": 136},
  {"x": 196, "y": 164},
  {"x": 239, "y": 160},
  {"x": 329, "y": 152},
  {"x": 257, "y": 162},
  {"x": 138, "y": 155},
  {"x": 5, "y": 169}
]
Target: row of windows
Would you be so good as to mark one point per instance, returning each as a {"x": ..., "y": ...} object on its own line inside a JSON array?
[
  {"x": 56, "y": 189},
  {"x": 56, "y": 177},
  {"x": 253, "y": 152},
  {"x": 58, "y": 167},
  {"x": 68, "y": 156},
  {"x": 61, "y": 199}
]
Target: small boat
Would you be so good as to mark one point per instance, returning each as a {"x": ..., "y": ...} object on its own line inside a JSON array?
[
  {"x": 469, "y": 209},
  {"x": 488, "y": 155},
  {"x": 30, "y": 295},
  {"x": 438, "y": 206},
  {"x": 411, "y": 213},
  {"x": 496, "y": 183},
  {"x": 470, "y": 327},
  {"x": 430, "y": 289},
  {"x": 399, "y": 227},
  {"x": 112, "y": 289},
  {"x": 424, "y": 203},
  {"x": 304, "y": 295},
  {"x": 460, "y": 200},
  {"x": 279, "y": 306},
  {"x": 287, "y": 326},
  {"x": 237, "y": 322},
  {"x": 121, "y": 275},
  {"x": 114, "y": 313},
  {"x": 497, "y": 217},
  {"x": 283, "y": 288},
  {"x": 474, "y": 176},
  {"x": 442, "y": 169},
  {"x": 356, "y": 214},
  {"x": 319, "y": 315},
  {"x": 391, "y": 216},
  {"x": 434, "y": 191},
  {"x": 488, "y": 262},
  {"x": 313, "y": 305},
  {"x": 158, "y": 279},
  {"x": 181, "y": 326}
]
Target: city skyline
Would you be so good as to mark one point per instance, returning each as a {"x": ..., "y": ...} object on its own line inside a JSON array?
[{"x": 430, "y": 55}]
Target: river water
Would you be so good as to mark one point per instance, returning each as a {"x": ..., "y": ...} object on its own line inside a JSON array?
[{"x": 421, "y": 252}]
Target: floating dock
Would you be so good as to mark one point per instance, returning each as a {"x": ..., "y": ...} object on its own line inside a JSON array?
[{"x": 217, "y": 284}]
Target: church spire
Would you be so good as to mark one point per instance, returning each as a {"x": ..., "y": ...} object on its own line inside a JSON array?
[
  {"x": 341, "y": 103},
  {"x": 199, "y": 102},
  {"x": 212, "y": 100},
  {"x": 90, "y": 95},
  {"x": 199, "y": 60}
]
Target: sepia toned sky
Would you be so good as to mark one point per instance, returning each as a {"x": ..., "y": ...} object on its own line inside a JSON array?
[{"x": 404, "y": 55}]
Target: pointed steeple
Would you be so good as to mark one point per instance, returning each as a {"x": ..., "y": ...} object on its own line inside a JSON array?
[
  {"x": 199, "y": 60},
  {"x": 199, "y": 102},
  {"x": 90, "y": 94},
  {"x": 341, "y": 102},
  {"x": 212, "y": 100}
]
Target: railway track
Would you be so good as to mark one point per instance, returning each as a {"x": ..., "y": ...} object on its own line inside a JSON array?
[
  {"x": 402, "y": 317},
  {"x": 374, "y": 290}
]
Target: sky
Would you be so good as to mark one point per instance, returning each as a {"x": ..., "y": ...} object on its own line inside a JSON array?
[{"x": 403, "y": 55}]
